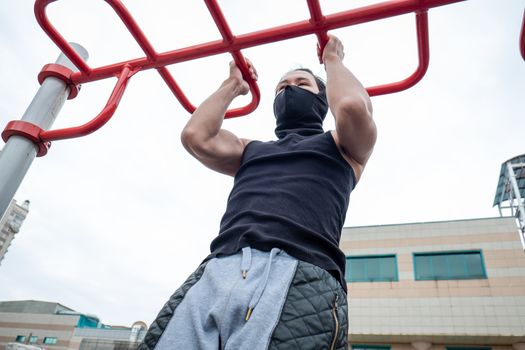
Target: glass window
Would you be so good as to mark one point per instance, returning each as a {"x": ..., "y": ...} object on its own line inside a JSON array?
[
  {"x": 467, "y": 348},
  {"x": 50, "y": 340},
  {"x": 370, "y": 347},
  {"x": 449, "y": 265},
  {"x": 474, "y": 265},
  {"x": 440, "y": 266},
  {"x": 87, "y": 322},
  {"x": 372, "y": 268},
  {"x": 356, "y": 269},
  {"x": 424, "y": 267},
  {"x": 33, "y": 339},
  {"x": 20, "y": 338}
]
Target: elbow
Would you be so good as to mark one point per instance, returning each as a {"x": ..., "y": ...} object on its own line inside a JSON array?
[
  {"x": 192, "y": 140},
  {"x": 187, "y": 137},
  {"x": 355, "y": 107}
]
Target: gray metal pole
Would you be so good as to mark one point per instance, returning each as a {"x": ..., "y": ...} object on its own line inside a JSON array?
[{"x": 19, "y": 152}]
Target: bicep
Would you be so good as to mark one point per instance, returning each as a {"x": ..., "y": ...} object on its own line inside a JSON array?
[
  {"x": 356, "y": 131},
  {"x": 221, "y": 153}
]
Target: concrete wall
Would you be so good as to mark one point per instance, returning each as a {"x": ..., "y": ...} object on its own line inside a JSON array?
[{"x": 61, "y": 327}]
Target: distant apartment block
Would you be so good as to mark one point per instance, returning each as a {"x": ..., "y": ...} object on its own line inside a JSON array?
[
  {"x": 10, "y": 225},
  {"x": 52, "y": 326},
  {"x": 436, "y": 286}
]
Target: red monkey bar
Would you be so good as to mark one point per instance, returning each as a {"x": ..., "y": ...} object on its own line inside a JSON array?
[{"x": 318, "y": 24}]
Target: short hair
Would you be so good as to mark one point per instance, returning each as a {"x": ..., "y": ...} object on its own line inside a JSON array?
[{"x": 321, "y": 85}]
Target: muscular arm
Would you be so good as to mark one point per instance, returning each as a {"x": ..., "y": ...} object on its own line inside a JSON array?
[
  {"x": 203, "y": 137},
  {"x": 349, "y": 102}
]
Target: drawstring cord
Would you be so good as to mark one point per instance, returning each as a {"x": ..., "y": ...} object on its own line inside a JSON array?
[
  {"x": 245, "y": 266},
  {"x": 246, "y": 261}
]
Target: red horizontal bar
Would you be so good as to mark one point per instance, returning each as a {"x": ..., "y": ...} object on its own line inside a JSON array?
[{"x": 279, "y": 33}]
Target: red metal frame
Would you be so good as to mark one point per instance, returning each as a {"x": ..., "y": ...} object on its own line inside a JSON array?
[
  {"x": 101, "y": 119},
  {"x": 30, "y": 131},
  {"x": 318, "y": 24},
  {"x": 60, "y": 72}
]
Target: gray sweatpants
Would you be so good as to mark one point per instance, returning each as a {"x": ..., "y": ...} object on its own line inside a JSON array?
[
  {"x": 241, "y": 311},
  {"x": 253, "y": 300}
]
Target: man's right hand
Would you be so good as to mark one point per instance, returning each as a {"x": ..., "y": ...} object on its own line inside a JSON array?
[
  {"x": 203, "y": 136},
  {"x": 236, "y": 75}
]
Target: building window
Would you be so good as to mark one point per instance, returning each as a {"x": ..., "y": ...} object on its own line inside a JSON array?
[
  {"x": 50, "y": 340},
  {"x": 449, "y": 265},
  {"x": 371, "y": 268},
  {"x": 87, "y": 322},
  {"x": 370, "y": 347},
  {"x": 467, "y": 348},
  {"x": 33, "y": 339},
  {"x": 20, "y": 338}
]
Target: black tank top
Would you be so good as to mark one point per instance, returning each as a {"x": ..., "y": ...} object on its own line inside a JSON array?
[{"x": 290, "y": 194}]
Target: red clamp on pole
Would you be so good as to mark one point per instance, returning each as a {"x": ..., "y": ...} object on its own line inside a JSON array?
[
  {"x": 60, "y": 72},
  {"x": 28, "y": 130}
]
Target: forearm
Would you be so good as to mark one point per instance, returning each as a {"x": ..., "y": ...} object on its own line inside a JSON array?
[
  {"x": 351, "y": 107},
  {"x": 206, "y": 121},
  {"x": 344, "y": 90},
  {"x": 203, "y": 138}
]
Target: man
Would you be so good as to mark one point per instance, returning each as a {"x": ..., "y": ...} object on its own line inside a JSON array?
[{"x": 275, "y": 275}]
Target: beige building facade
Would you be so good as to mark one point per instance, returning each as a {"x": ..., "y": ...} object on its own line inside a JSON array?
[
  {"x": 437, "y": 285},
  {"x": 52, "y": 326}
]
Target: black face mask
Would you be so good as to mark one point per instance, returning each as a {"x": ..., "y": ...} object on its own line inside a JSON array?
[{"x": 299, "y": 111}]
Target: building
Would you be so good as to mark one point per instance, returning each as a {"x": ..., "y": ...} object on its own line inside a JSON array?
[
  {"x": 438, "y": 285},
  {"x": 442, "y": 285},
  {"x": 53, "y": 326},
  {"x": 10, "y": 225}
]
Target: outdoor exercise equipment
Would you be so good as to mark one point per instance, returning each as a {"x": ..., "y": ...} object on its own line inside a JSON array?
[{"x": 31, "y": 136}]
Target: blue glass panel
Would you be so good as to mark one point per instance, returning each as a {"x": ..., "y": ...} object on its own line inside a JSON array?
[
  {"x": 456, "y": 264},
  {"x": 389, "y": 268},
  {"x": 357, "y": 270},
  {"x": 453, "y": 265},
  {"x": 371, "y": 268},
  {"x": 439, "y": 263},
  {"x": 474, "y": 265},
  {"x": 20, "y": 338},
  {"x": 374, "y": 269},
  {"x": 423, "y": 264}
]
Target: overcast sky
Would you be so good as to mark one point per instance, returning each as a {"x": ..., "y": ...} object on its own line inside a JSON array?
[{"x": 120, "y": 218}]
